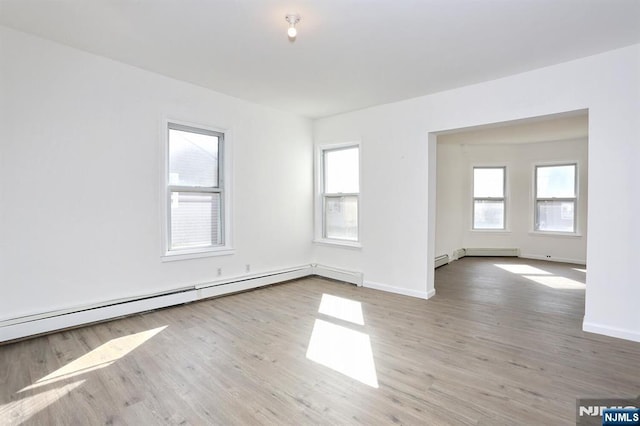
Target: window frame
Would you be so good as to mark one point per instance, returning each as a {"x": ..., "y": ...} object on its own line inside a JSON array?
[
  {"x": 573, "y": 199},
  {"x": 321, "y": 196},
  {"x": 223, "y": 188},
  {"x": 503, "y": 198}
]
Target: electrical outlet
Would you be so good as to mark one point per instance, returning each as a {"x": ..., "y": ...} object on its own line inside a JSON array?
[
  {"x": 548, "y": 257},
  {"x": 247, "y": 268},
  {"x": 219, "y": 271}
]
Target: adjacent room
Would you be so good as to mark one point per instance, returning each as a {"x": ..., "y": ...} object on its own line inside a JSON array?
[
  {"x": 514, "y": 189},
  {"x": 266, "y": 212}
]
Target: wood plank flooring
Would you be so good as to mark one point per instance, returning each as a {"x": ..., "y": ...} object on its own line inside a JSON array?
[{"x": 493, "y": 347}]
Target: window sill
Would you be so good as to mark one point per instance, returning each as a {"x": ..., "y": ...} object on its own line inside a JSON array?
[
  {"x": 338, "y": 243},
  {"x": 555, "y": 234},
  {"x": 196, "y": 254},
  {"x": 491, "y": 231}
]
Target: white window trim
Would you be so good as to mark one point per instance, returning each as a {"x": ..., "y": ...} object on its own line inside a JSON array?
[
  {"x": 227, "y": 172},
  {"x": 555, "y": 234},
  {"x": 534, "y": 199},
  {"x": 506, "y": 199},
  {"x": 319, "y": 202}
]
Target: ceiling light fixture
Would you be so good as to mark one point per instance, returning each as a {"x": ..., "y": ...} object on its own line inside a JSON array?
[{"x": 292, "y": 19}]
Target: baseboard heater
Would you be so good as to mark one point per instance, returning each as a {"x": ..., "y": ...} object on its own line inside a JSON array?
[
  {"x": 33, "y": 325},
  {"x": 459, "y": 254},
  {"x": 337, "y": 274},
  {"x": 442, "y": 260},
  {"x": 497, "y": 252}
]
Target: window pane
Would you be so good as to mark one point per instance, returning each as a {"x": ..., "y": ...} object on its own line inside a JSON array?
[
  {"x": 341, "y": 171},
  {"x": 488, "y": 214},
  {"x": 341, "y": 218},
  {"x": 556, "y": 181},
  {"x": 555, "y": 216},
  {"x": 488, "y": 182},
  {"x": 195, "y": 220},
  {"x": 193, "y": 159}
]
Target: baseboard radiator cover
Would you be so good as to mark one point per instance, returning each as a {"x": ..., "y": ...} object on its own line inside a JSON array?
[
  {"x": 247, "y": 282},
  {"x": 493, "y": 252},
  {"x": 441, "y": 260},
  {"x": 337, "y": 274},
  {"x": 459, "y": 254},
  {"x": 31, "y": 325}
]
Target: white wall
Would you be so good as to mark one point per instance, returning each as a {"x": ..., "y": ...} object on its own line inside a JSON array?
[
  {"x": 398, "y": 171},
  {"x": 455, "y": 162},
  {"x": 80, "y": 179}
]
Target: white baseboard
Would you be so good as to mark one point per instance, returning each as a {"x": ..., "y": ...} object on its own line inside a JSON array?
[
  {"x": 620, "y": 333},
  {"x": 553, "y": 259},
  {"x": 458, "y": 254},
  {"x": 441, "y": 261},
  {"x": 337, "y": 274},
  {"x": 491, "y": 252},
  {"x": 30, "y": 325},
  {"x": 404, "y": 291},
  {"x": 17, "y": 328},
  {"x": 248, "y": 282}
]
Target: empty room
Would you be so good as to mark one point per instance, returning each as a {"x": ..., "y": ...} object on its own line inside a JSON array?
[{"x": 240, "y": 212}]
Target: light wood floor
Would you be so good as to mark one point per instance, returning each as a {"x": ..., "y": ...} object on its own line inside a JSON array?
[{"x": 492, "y": 347}]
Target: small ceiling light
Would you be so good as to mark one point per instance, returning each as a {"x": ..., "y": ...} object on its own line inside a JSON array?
[{"x": 292, "y": 19}]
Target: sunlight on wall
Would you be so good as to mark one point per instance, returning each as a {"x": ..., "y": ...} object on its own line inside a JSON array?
[
  {"x": 341, "y": 308},
  {"x": 560, "y": 283},
  {"x": 580, "y": 270},
  {"x": 344, "y": 350},
  {"x": 100, "y": 357},
  {"x": 18, "y": 412},
  {"x": 522, "y": 269}
]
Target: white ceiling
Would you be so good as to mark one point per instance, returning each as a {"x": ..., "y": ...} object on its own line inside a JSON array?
[{"x": 349, "y": 54}]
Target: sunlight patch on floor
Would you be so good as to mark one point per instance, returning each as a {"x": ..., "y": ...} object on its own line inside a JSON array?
[
  {"x": 558, "y": 283},
  {"x": 522, "y": 269},
  {"x": 18, "y": 412},
  {"x": 100, "y": 357},
  {"x": 580, "y": 270},
  {"x": 344, "y": 350},
  {"x": 341, "y": 308}
]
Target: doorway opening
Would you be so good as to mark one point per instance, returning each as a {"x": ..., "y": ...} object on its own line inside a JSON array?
[{"x": 516, "y": 188}]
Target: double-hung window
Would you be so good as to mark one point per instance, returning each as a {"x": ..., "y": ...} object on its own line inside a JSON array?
[
  {"x": 555, "y": 198},
  {"x": 195, "y": 190},
  {"x": 489, "y": 198},
  {"x": 339, "y": 193}
]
